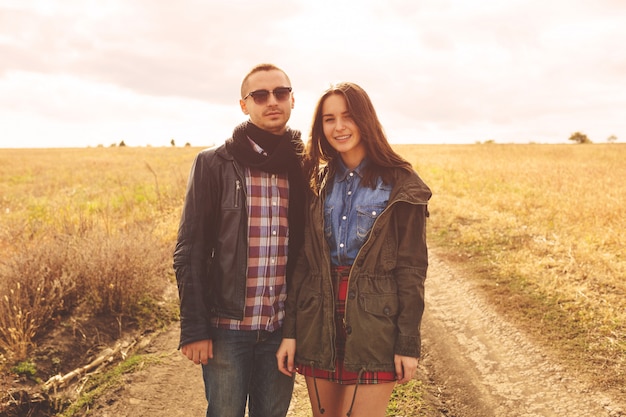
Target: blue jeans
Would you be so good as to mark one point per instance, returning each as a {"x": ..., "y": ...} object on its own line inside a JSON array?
[{"x": 244, "y": 369}]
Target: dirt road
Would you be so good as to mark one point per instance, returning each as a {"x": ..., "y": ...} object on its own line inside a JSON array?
[
  {"x": 476, "y": 365},
  {"x": 484, "y": 366}
]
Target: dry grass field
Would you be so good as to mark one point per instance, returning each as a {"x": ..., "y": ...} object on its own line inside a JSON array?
[
  {"x": 87, "y": 237},
  {"x": 84, "y": 232}
]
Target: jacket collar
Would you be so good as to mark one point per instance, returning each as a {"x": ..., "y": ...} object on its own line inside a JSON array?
[{"x": 411, "y": 188}]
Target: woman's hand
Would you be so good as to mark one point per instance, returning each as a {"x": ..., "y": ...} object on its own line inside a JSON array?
[
  {"x": 406, "y": 366},
  {"x": 285, "y": 355}
]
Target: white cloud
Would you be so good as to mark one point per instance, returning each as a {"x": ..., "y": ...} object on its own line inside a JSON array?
[
  {"x": 455, "y": 70},
  {"x": 67, "y": 111}
]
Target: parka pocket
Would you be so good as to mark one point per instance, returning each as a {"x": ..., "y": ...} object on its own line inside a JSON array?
[
  {"x": 378, "y": 325},
  {"x": 309, "y": 328},
  {"x": 382, "y": 305},
  {"x": 309, "y": 303}
]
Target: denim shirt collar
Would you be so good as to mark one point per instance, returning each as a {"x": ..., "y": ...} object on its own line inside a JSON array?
[{"x": 342, "y": 171}]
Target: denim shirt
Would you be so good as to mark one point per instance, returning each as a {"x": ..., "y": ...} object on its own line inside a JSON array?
[{"x": 350, "y": 211}]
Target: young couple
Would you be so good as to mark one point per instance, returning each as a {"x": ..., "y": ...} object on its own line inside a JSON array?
[{"x": 302, "y": 260}]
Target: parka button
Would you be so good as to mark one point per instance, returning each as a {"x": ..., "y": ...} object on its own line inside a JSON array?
[
  {"x": 351, "y": 295},
  {"x": 387, "y": 311},
  {"x": 348, "y": 329}
]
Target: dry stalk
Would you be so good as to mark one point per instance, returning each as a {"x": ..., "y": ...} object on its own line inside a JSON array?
[{"x": 59, "y": 381}]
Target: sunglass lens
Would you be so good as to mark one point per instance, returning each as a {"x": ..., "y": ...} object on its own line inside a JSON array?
[
  {"x": 282, "y": 93},
  {"x": 260, "y": 96}
]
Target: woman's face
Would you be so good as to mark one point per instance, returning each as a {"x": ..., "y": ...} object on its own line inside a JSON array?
[{"x": 341, "y": 131}]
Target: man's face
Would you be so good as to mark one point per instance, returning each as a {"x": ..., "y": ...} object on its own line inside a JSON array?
[{"x": 272, "y": 114}]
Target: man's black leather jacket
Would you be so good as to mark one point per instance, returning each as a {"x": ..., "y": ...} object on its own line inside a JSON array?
[{"x": 210, "y": 259}]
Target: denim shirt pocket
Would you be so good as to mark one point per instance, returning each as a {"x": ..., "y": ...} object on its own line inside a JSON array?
[{"x": 366, "y": 216}]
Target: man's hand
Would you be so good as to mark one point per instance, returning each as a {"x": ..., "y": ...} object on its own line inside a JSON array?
[
  {"x": 285, "y": 355},
  {"x": 199, "y": 352}
]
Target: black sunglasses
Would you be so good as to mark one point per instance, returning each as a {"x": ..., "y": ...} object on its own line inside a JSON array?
[{"x": 261, "y": 96}]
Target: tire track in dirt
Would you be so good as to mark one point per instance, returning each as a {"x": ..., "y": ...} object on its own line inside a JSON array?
[{"x": 483, "y": 366}]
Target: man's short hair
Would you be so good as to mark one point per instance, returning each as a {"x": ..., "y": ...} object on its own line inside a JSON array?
[{"x": 258, "y": 68}]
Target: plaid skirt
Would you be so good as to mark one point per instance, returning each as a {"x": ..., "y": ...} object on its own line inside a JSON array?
[{"x": 341, "y": 375}]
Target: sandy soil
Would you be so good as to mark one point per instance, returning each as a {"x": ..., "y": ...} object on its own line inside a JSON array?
[
  {"x": 476, "y": 364},
  {"x": 485, "y": 366}
]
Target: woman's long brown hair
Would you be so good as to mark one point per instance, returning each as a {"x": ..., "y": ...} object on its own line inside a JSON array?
[{"x": 382, "y": 158}]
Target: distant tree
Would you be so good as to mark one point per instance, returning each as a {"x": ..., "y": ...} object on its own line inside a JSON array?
[
  {"x": 122, "y": 143},
  {"x": 580, "y": 138},
  {"x": 611, "y": 139},
  {"x": 187, "y": 145},
  {"x": 172, "y": 142}
]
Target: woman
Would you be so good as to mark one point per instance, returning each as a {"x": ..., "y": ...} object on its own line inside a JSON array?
[{"x": 355, "y": 305}]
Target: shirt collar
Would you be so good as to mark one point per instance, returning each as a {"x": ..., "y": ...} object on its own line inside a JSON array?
[{"x": 343, "y": 171}]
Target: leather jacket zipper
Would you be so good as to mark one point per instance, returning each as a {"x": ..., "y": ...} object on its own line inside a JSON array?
[{"x": 237, "y": 192}]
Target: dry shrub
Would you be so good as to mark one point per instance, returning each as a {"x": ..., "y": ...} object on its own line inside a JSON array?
[
  {"x": 17, "y": 328},
  {"x": 85, "y": 232},
  {"x": 35, "y": 287},
  {"x": 102, "y": 273},
  {"x": 117, "y": 272}
]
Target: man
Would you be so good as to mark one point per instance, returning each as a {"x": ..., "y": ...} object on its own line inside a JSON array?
[{"x": 241, "y": 227}]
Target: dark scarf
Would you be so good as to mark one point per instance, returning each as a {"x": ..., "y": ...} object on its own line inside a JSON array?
[{"x": 284, "y": 155}]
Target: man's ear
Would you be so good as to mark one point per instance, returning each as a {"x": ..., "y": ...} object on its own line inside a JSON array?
[{"x": 244, "y": 107}]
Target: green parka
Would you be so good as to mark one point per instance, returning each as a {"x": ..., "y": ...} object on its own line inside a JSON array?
[{"x": 385, "y": 298}]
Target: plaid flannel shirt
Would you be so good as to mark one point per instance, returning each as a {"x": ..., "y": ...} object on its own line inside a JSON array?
[{"x": 266, "y": 290}]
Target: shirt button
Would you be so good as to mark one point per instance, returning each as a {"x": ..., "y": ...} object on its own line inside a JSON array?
[
  {"x": 373, "y": 213},
  {"x": 341, "y": 245},
  {"x": 344, "y": 217},
  {"x": 273, "y": 260},
  {"x": 348, "y": 330},
  {"x": 274, "y": 232},
  {"x": 349, "y": 192},
  {"x": 352, "y": 174}
]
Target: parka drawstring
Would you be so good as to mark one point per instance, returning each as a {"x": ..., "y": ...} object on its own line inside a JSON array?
[
  {"x": 317, "y": 394},
  {"x": 358, "y": 379}
]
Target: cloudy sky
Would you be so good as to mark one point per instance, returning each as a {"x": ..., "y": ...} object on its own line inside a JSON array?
[{"x": 77, "y": 73}]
